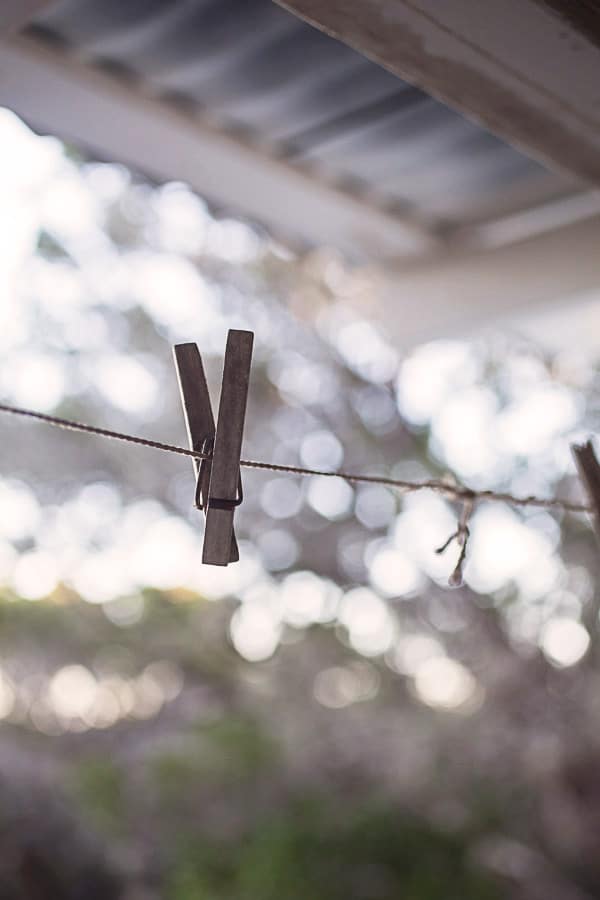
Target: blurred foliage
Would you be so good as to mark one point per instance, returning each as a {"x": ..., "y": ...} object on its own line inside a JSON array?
[
  {"x": 316, "y": 850},
  {"x": 338, "y": 724},
  {"x": 98, "y": 785},
  {"x": 274, "y": 840}
]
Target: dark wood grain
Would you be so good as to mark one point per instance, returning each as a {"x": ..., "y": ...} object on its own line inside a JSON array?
[
  {"x": 197, "y": 411},
  {"x": 589, "y": 472},
  {"x": 195, "y": 399},
  {"x": 224, "y": 477},
  {"x": 583, "y": 15}
]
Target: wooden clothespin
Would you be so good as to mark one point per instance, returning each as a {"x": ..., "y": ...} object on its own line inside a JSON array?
[
  {"x": 219, "y": 484},
  {"x": 589, "y": 472}
]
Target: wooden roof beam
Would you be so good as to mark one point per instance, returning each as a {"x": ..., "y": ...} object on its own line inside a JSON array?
[{"x": 528, "y": 70}]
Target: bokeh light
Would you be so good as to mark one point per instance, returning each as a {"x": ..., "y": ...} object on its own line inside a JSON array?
[{"x": 564, "y": 641}]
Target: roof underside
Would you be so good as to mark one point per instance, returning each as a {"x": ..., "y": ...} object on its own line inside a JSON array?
[{"x": 262, "y": 75}]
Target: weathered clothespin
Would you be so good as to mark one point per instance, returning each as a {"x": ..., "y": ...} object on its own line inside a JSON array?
[
  {"x": 219, "y": 484},
  {"x": 589, "y": 472}
]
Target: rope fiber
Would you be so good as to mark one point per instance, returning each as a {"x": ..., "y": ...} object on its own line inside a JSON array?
[{"x": 454, "y": 492}]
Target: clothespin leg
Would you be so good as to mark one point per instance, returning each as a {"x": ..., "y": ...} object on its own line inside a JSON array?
[
  {"x": 589, "y": 472},
  {"x": 199, "y": 420},
  {"x": 225, "y": 472}
]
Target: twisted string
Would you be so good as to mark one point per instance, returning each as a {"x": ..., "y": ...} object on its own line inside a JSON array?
[
  {"x": 451, "y": 491},
  {"x": 461, "y": 536}
]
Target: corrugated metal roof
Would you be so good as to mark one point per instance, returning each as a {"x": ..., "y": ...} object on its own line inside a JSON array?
[{"x": 258, "y": 71}]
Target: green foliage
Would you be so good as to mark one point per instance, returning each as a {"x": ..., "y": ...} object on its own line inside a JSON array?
[
  {"x": 227, "y": 752},
  {"x": 238, "y": 745},
  {"x": 98, "y": 785},
  {"x": 315, "y": 850}
]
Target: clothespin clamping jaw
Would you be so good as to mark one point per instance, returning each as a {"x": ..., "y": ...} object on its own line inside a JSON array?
[
  {"x": 589, "y": 472},
  {"x": 219, "y": 483}
]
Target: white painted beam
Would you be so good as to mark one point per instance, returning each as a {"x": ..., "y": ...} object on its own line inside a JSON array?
[
  {"x": 117, "y": 121},
  {"x": 529, "y": 70},
  {"x": 472, "y": 290},
  {"x": 430, "y": 290}
]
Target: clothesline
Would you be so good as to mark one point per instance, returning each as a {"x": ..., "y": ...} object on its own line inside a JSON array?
[{"x": 451, "y": 491}]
